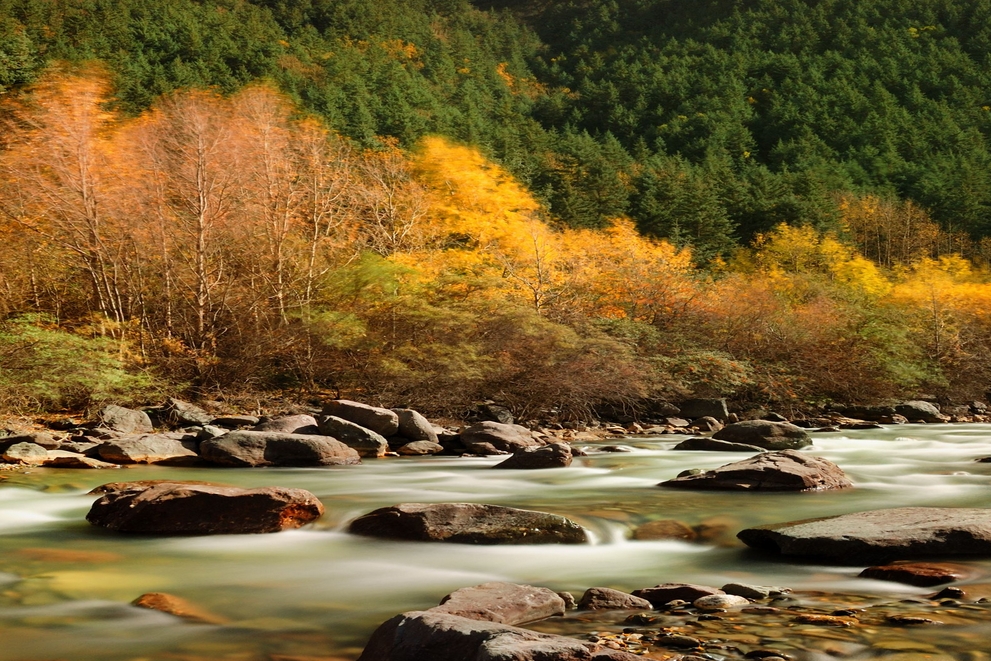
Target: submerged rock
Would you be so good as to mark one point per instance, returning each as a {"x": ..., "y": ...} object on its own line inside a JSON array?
[
  {"x": 771, "y": 471},
  {"x": 665, "y": 529},
  {"x": 468, "y": 523},
  {"x": 921, "y": 574},
  {"x": 172, "y": 508},
  {"x": 259, "y": 448},
  {"x": 879, "y": 535},
  {"x": 177, "y": 606},
  {"x": 765, "y": 434},
  {"x": 436, "y": 636}
]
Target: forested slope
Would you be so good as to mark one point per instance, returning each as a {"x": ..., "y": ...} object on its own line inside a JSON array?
[{"x": 705, "y": 121}]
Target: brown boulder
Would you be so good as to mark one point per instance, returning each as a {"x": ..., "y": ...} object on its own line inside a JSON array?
[
  {"x": 665, "y": 592},
  {"x": 609, "y": 599},
  {"x": 289, "y": 424},
  {"x": 505, "y": 603},
  {"x": 191, "y": 509},
  {"x": 879, "y": 535},
  {"x": 164, "y": 449},
  {"x": 381, "y": 421},
  {"x": 771, "y": 471},
  {"x": 555, "y": 455},
  {"x": 435, "y": 636},
  {"x": 765, "y": 434},
  {"x": 468, "y": 523},
  {"x": 921, "y": 574},
  {"x": 259, "y": 448},
  {"x": 482, "y": 436}
]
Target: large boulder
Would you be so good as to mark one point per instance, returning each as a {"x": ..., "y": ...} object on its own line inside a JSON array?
[
  {"x": 164, "y": 449},
  {"x": 172, "y": 508},
  {"x": 289, "y": 424},
  {"x": 505, "y": 603},
  {"x": 482, "y": 436},
  {"x": 701, "y": 408},
  {"x": 436, "y": 636},
  {"x": 181, "y": 414},
  {"x": 703, "y": 443},
  {"x": 667, "y": 592},
  {"x": 920, "y": 410},
  {"x": 879, "y": 535},
  {"x": 381, "y": 421},
  {"x": 128, "y": 421},
  {"x": 414, "y": 427},
  {"x": 468, "y": 523},
  {"x": 770, "y": 471},
  {"x": 259, "y": 448},
  {"x": 420, "y": 448},
  {"x": 554, "y": 455},
  {"x": 25, "y": 453},
  {"x": 609, "y": 599},
  {"x": 765, "y": 434},
  {"x": 365, "y": 441}
]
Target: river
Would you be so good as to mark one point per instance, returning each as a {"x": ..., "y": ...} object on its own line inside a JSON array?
[{"x": 65, "y": 586}]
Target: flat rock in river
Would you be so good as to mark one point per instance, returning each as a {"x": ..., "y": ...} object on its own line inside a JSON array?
[
  {"x": 505, "y": 603},
  {"x": 765, "y": 434},
  {"x": 879, "y": 535},
  {"x": 435, "y": 636},
  {"x": 554, "y": 455},
  {"x": 771, "y": 471},
  {"x": 172, "y": 508},
  {"x": 259, "y": 448},
  {"x": 703, "y": 443},
  {"x": 482, "y": 436},
  {"x": 468, "y": 523}
]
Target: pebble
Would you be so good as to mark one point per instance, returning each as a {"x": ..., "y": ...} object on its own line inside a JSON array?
[{"x": 717, "y": 602}]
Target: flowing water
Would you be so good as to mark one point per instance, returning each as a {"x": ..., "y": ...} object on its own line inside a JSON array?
[{"x": 65, "y": 586}]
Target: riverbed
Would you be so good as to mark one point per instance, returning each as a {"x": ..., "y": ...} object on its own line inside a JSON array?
[{"x": 65, "y": 586}]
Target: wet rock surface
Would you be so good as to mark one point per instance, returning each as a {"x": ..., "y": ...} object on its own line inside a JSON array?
[
  {"x": 554, "y": 455},
  {"x": 922, "y": 574},
  {"x": 468, "y": 523},
  {"x": 765, "y": 434},
  {"x": 173, "y": 508},
  {"x": 879, "y": 535},
  {"x": 505, "y": 603},
  {"x": 259, "y": 448},
  {"x": 609, "y": 599},
  {"x": 771, "y": 471}
]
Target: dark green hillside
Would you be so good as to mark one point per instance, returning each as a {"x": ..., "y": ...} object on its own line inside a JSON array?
[{"x": 706, "y": 121}]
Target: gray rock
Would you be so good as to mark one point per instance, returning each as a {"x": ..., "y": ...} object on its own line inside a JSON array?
[
  {"x": 64, "y": 459},
  {"x": 362, "y": 439},
  {"x": 872, "y": 413},
  {"x": 879, "y": 535},
  {"x": 496, "y": 413},
  {"x": 128, "y": 421},
  {"x": 468, "y": 523},
  {"x": 700, "y": 408},
  {"x": 920, "y": 410},
  {"x": 209, "y": 431},
  {"x": 555, "y": 455},
  {"x": 415, "y": 427},
  {"x": 381, "y": 421},
  {"x": 259, "y": 448},
  {"x": 609, "y": 599},
  {"x": 165, "y": 449},
  {"x": 505, "y": 603},
  {"x": 706, "y": 423},
  {"x": 435, "y": 636},
  {"x": 236, "y": 421},
  {"x": 44, "y": 439},
  {"x": 420, "y": 448},
  {"x": 180, "y": 414},
  {"x": 25, "y": 453},
  {"x": 749, "y": 591},
  {"x": 505, "y": 438},
  {"x": 702, "y": 443},
  {"x": 666, "y": 592},
  {"x": 173, "y": 508},
  {"x": 87, "y": 448},
  {"x": 765, "y": 434},
  {"x": 289, "y": 424},
  {"x": 715, "y": 602},
  {"x": 770, "y": 471}
]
